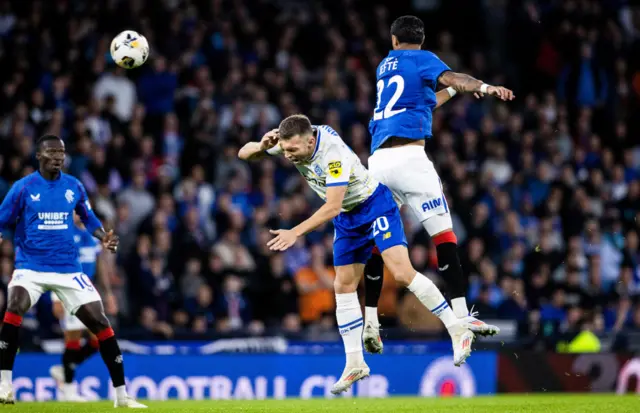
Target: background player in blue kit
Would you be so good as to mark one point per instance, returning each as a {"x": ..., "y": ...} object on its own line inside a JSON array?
[
  {"x": 406, "y": 82},
  {"x": 41, "y": 206},
  {"x": 93, "y": 262}
]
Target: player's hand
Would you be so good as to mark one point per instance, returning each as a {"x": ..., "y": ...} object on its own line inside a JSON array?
[
  {"x": 284, "y": 239},
  {"x": 111, "y": 241},
  {"x": 269, "y": 140},
  {"x": 500, "y": 92},
  {"x": 110, "y": 305},
  {"x": 0, "y": 238}
]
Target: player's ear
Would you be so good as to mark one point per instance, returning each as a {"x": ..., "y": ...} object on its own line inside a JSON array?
[{"x": 394, "y": 41}]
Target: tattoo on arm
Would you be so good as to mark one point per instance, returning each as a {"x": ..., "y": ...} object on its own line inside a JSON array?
[{"x": 461, "y": 82}]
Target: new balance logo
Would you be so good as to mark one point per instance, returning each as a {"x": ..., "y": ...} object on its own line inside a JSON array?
[
  {"x": 443, "y": 268},
  {"x": 119, "y": 359},
  {"x": 35, "y": 198}
]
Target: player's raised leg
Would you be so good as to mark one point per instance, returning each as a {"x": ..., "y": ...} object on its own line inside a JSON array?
[
  {"x": 449, "y": 266},
  {"x": 20, "y": 300},
  {"x": 93, "y": 316},
  {"x": 350, "y": 323},
  {"x": 373, "y": 280},
  {"x": 388, "y": 234}
]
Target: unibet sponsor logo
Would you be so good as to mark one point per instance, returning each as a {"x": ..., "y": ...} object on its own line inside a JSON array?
[{"x": 53, "y": 220}]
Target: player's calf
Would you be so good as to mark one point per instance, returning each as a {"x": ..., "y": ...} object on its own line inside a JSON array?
[
  {"x": 18, "y": 304},
  {"x": 93, "y": 316}
]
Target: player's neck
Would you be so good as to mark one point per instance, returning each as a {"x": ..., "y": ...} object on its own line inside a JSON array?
[
  {"x": 49, "y": 176},
  {"x": 408, "y": 46}
]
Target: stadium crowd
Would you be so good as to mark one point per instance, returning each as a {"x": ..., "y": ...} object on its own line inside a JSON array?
[{"x": 545, "y": 190}]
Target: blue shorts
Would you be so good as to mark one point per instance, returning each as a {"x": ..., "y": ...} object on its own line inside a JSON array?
[{"x": 376, "y": 222}]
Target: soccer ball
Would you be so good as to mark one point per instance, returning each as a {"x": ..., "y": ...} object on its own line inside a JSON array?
[{"x": 129, "y": 49}]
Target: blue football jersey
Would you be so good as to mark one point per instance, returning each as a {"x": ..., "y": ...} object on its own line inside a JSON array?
[
  {"x": 89, "y": 249},
  {"x": 406, "y": 87},
  {"x": 42, "y": 212}
]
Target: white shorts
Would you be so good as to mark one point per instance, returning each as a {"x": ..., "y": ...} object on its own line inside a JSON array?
[
  {"x": 412, "y": 178},
  {"x": 69, "y": 322},
  {"x": 74, "y": 290}
]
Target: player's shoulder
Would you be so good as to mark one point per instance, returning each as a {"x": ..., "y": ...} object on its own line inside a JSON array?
[
  {"x": 25, "y": 181},
  {"x": 326, "y": 130},
  {"x": 328, "y": 138},
  {"x": 69, "y": 179}
]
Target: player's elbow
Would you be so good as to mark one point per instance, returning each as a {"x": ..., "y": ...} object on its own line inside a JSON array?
[
  {"x": 243, "y": 154},
  {"x": 334, "y": 209}
]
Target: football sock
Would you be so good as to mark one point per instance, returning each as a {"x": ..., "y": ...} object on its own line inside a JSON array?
[
  {"x": 112, "y": 357},
  {"x": 451, "y": 270},
  {"x": 9, "y": 335},
  {"x": 431, "y": 297},
  {"x": 70, "y": 359},
  {"x": 349, "y": 318},
  {"x": 373, "y": 287},
  {"x": 75, "y": 354},
  {"x": 90, "y": 348}
]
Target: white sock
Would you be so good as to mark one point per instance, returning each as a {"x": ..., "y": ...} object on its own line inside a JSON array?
[
  {"x": 371, "y": 315},
  {"x": 349, "y": 317},
  {"x": 459, "y": 306},
  {"x": 431, "y": 297},
  {"x": 68, "y": 388},
  {"x": 6, "y": 376},
  {"x": 121, "y": 392}
]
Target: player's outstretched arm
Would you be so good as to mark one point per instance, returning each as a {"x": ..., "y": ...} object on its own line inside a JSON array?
[
  {"x": 285, "y": 238},
  {"x": 462, "y": 82},
  {"x": 444, "y": 96},
  {"x": 253, "y": 151}
]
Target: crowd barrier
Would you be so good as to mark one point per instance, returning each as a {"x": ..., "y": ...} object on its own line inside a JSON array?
[
  {"x": 259, "y": 376},
  {"x": 250, "y": 371}
]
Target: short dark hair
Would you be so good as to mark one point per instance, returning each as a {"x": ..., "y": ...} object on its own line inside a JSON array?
[
  {"x": 45, "y": 138},
  {"x": 294, "y": 125},
  {"x": 408, "y": 29}
]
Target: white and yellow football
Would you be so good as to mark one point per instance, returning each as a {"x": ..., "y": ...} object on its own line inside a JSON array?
[{"x": 129, "y": 49}]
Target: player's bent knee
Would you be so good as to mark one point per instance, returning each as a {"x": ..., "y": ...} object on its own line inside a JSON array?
[
  {"x": 347, "y": 278},
  {"x": 396, "y": 259},
  {"x": 93, "y": 317},
  {"x": 19, "y": 300},
  {"x": 438, "y": 224}
]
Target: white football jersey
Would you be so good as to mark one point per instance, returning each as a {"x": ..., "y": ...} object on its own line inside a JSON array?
[{"x": 333, "y": 163}]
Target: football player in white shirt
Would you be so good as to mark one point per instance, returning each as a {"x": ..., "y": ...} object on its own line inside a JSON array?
[{"x": 364, "y": 215}]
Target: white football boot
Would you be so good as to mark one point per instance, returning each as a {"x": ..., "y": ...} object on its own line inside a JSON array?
[
  {"x": 6, "y": 393},
  {"x": 350, "y": 375},
  {"x": 479, "y": 326},
  {"x": 57, "y": 373},
  {"x": 128, "y": 402},
  {"x": 371, "y": 338},
  {"x": 461, "y": 338}
]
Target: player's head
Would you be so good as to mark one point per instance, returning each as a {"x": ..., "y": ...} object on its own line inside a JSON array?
[
  {"x": 407, "y": 30},
  {"x": 50, "y": 153},
  {"x": 296, "y": 138}
]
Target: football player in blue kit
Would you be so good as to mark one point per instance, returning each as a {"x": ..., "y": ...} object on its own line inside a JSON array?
[
  {"x": 406, "y": 83},
  {"x": 364, "y": 215},
  {"x": 41, "y": 207},
  {"x": 92, "y": 261}
]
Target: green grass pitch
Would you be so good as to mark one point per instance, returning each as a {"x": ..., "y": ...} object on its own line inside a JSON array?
[{"x": 492, "y": 404}]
